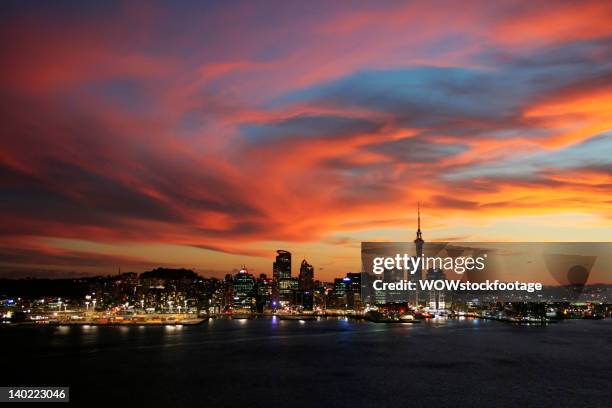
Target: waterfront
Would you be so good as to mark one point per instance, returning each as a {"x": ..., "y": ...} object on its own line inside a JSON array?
[{"x": 268, "y": 362}]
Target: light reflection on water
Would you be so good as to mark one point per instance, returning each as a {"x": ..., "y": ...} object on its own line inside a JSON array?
[{"x": 220, "y": 328}]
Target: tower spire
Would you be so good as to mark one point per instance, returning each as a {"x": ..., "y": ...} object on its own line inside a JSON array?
[
  {"x": 418, "y": 233},
  {"x": 418, "y": 243}
]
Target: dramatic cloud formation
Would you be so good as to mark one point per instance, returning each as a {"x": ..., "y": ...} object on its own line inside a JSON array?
[{"x": 208, "y": 135}]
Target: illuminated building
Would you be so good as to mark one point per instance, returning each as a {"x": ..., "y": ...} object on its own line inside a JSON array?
[
  {"x": 244, "y": 290},
  {"x": 392, "y": 276},
  {"x": 264, "y": 293},
  {"x": 306, "y": 277},
  {"x": 281, "y": 273},
  {"x": 306, "y": 286},
  {"x": 436, "y": 297},
  {"x": 353, "y": 291},
  {"x": 339, "y": 292},
  {"x": 282, "y": 265}
]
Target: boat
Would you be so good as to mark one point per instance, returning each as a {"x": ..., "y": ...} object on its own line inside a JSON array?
[
  {"x": 423, "y": 315},
  {"x": 407, "y": 318},
  {"x": 191, "y": 322},
  {"x": 377, "y": 317}
]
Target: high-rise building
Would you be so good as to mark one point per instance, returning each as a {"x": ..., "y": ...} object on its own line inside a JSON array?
[
  {"x": 282, "y": 265},
  {"x": 437, "y": 300},
  {"x": 281, "y": 272},
  {"x": 305, "y": 296},
  {"x": 244, "y": 290},
  {"x": 394, "y": 275},
  {"x": 339, "y": 292},
  {"x": 320, "y": 294},
  {"x": 353, "y": 291},
  {"x": 264, "y": 293},
  {"x": 306, "y": 277},
  {"x": 228, "y": 292}
]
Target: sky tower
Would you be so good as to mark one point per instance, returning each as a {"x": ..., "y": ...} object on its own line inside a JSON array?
[{"x": 418, "y": 242}]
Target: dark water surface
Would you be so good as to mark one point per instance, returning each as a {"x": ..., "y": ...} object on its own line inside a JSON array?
[{"x": 268, "y": 363}]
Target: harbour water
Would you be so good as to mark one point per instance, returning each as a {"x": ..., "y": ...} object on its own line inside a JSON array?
[{"x": 267, "y": 362}]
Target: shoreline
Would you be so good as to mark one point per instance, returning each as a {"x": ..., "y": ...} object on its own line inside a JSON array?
[{"x": 200, "y": 321}]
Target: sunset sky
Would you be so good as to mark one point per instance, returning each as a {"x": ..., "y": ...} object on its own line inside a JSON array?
[{"x": 209, "y": 134}]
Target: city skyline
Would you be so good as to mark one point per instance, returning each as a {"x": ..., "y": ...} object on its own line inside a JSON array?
[{"x": 208, "y": 136}]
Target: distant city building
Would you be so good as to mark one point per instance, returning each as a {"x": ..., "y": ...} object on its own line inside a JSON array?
[
  {"x": 339, "y": 293},
  {"x": 228, "y": 292},
  {"x": 437, "y": 298},
  {"x": 353, "y": 291},
  {"x": 284, "y": 285},
  {"x": 306, "y": 277},
  {"x": 264, "y": 293},
  {"x": 244, "y": 290},
  {"x": 394, "y": 275},
  {"x": 306, "y": 286},
  {"x": 282, "y": 265},
  {"x": 320, "y": 294}
]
